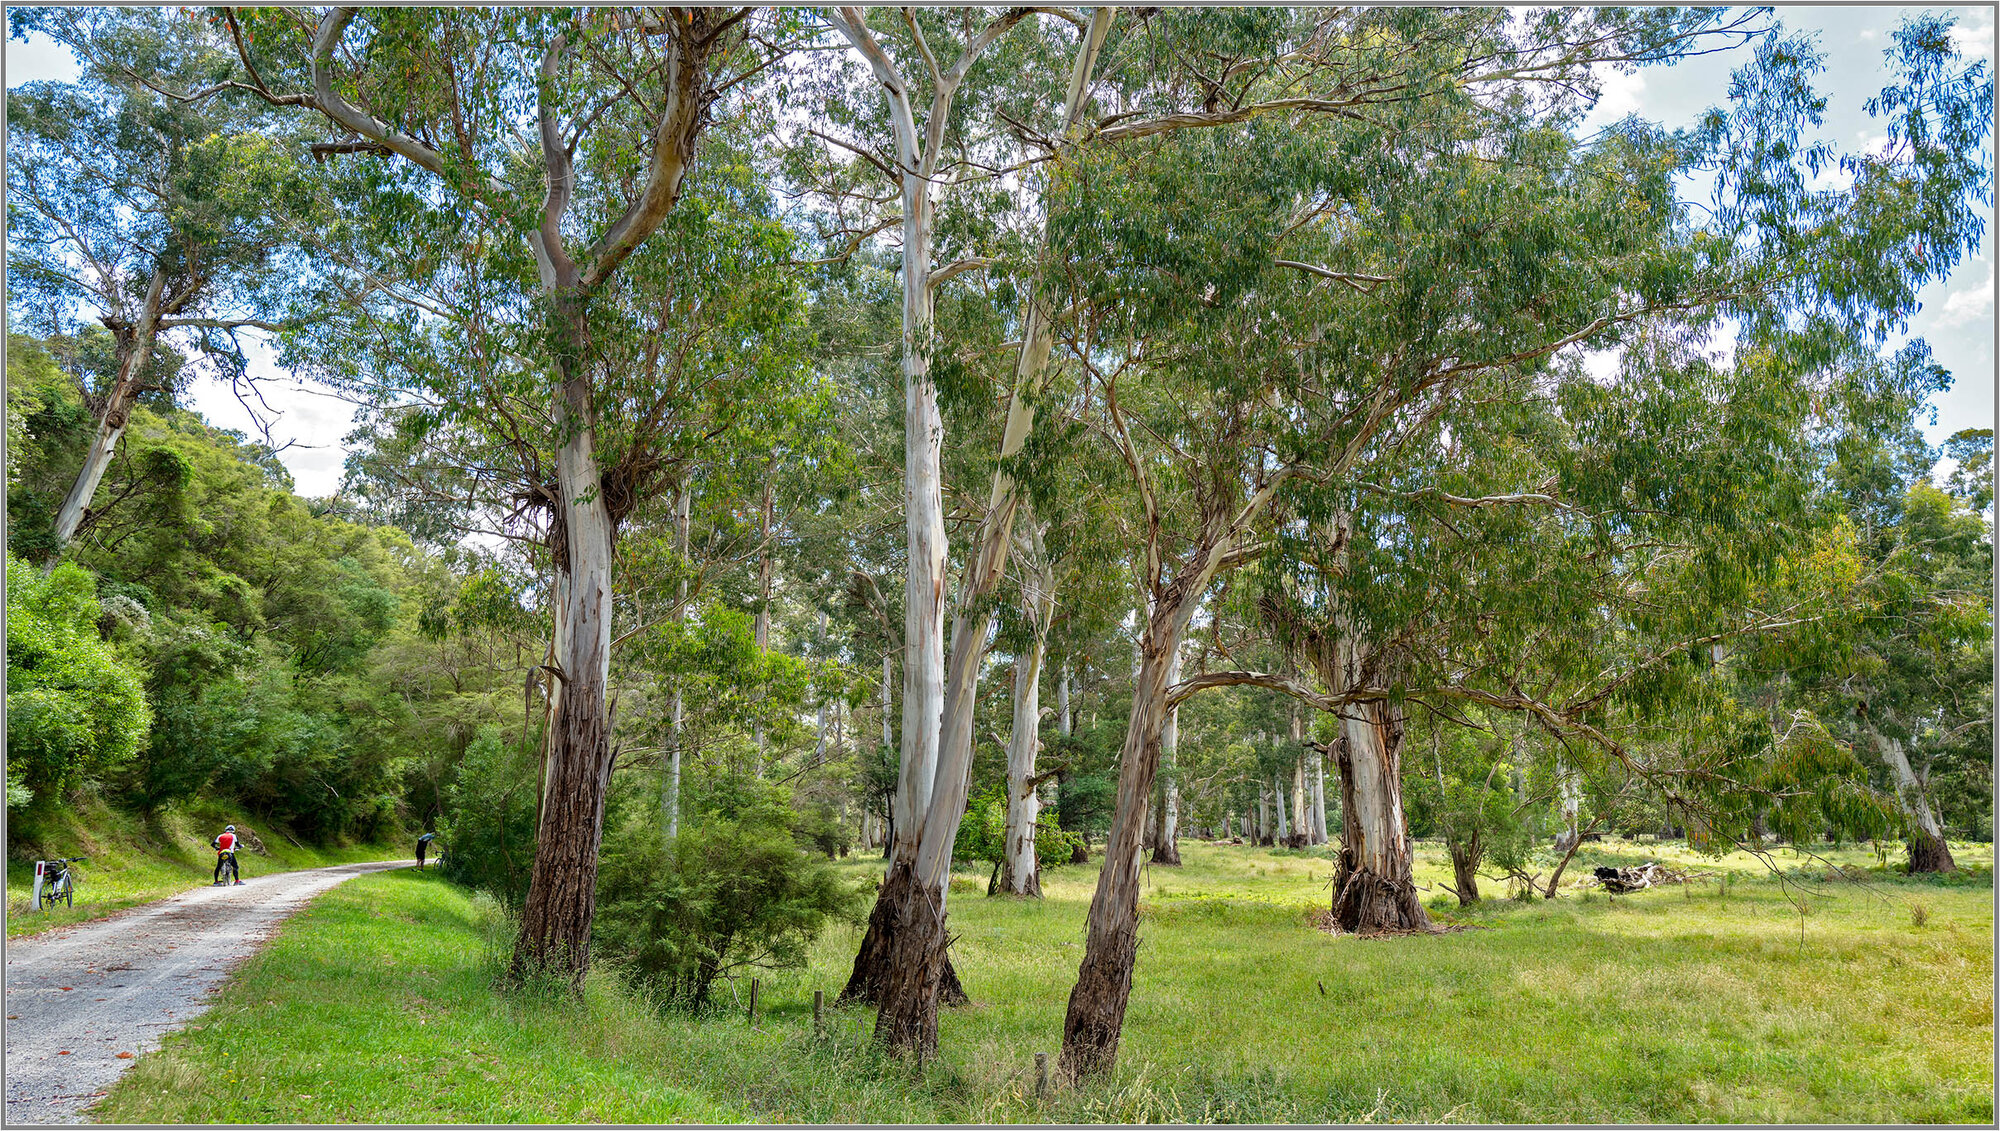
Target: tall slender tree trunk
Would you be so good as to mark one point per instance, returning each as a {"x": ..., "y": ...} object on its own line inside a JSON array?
[
  {"x": 1104, "y": 983},
  {"x": 135, "y": 348},
  {"x": 1318, "y": 758},
  {"x": 1374, "y": 889},
  {"x": 1021, "y": 874},
  {"x": 1278, "y": 803},
  {"x": 1020, "y": 871},
  {"x": 907, "y": 971},
  {"x": 562, "y": 900},
  {"x": 1166, "y": 846},
  {"x": 1927, "y": 847}
]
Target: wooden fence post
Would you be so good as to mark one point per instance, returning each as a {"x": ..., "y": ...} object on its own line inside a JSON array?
[
  {"x": 1041, "y": 1076},
  {"x": 819, "y": 1013},
  {"x": 753, "y": 1001}
]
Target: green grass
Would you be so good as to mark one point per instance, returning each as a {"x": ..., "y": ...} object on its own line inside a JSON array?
[
  {"x": 1691, "y": 1005},
  {"x": 134, "y": 859}
]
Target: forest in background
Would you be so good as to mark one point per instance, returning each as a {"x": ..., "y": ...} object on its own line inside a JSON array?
[{"x": 1235, "y": 415}]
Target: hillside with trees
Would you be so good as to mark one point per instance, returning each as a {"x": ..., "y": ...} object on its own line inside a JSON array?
[{"x": 814, "y": 470}]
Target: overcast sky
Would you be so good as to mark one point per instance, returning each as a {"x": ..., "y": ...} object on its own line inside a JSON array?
[{"x": 1957, "y": 315}]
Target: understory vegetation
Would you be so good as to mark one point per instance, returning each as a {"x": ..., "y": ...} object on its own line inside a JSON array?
[
  {"x": 1151, "y": 519},
  {"x": 1696, "y": 1005}
]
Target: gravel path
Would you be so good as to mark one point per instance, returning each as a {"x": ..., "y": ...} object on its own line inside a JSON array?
[{"x": 84, "y": 1000}]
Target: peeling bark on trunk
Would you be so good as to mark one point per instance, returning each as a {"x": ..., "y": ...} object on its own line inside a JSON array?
[
  {"x": 1374, "y": 890},
  {"x": 1927, "y": 847},
  {"x": 938, "y": 700},
  {"x": 870, "y": 975},
  {"x": 1021, "y": 872},
  {"x": 1104, "y": 983},
  {"x": 562, "y": 900}
]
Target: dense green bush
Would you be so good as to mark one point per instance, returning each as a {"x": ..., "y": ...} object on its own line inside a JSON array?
[
  {"x": 488, "y": 833},
  {"x": 732, "y": 892},
  {"x": 982, "y": 836},
  {"x": 74, "y": 707}
]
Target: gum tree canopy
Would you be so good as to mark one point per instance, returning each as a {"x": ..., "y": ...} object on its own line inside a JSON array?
[
  {"x": 1344, "y": 295},
  {"x": 570, "y": 133},
  {"x": 152, "y": 213}
]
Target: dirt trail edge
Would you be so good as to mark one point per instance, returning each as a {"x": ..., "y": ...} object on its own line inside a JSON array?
[{"x": 80, "y": 996}]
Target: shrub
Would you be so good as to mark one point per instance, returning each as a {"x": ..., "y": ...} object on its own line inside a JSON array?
[
  {"x": 732, "y": 892},
  {"x": 74, "y": 709},
  {"x": 488, "y": 834}
]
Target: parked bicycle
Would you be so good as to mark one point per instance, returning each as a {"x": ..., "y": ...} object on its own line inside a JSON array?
[{"x": 56, "y": 882}]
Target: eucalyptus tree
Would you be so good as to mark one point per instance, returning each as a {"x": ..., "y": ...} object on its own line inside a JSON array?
[
  {"x": 559, "y": 142},
  {"x": 902, "y": 959},
  {"x": 1904, "y": 675},
  {"x": 146, "y": 212},
  {"x": 1458, "y": 241}
]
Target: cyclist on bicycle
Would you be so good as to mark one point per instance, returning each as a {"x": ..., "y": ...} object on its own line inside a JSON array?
[{"x": 225, "y": 853}]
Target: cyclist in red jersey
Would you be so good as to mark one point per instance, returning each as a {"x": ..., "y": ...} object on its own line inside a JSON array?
[{"x": 225, "y": 853}]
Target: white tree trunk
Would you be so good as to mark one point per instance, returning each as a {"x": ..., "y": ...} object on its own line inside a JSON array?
[
  {"x": 1375, "y": 889},
  {"x": 1021, "y": 873},
  {"x": 1062, "y": 702},
  {"x": 1319, "y": 797},
  {"x": 135, "y": 347},
  {"x": 987, "y": 563},
  {"x": 1278, "y": 794},
  {"x": 1928, "y": 850},
  {"x": 683, "y": 511},
  {"x": 1569, "y": 789},
  {"x": 1166, "y": 846},
  {"x": 1024, "y": 805}
]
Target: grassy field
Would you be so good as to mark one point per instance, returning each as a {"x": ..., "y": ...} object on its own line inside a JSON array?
[
  {"x": 1682, "y": 1005},
  {"x": 134, "y": 859}
]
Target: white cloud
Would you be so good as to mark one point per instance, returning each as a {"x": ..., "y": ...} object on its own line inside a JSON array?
[
  {"x": 1971, "y": 305},
  {"x": 37, "y": 58},
  {"x": 1973, "y": 34},
  {"x": 308, "y": 422},
  {"x": 1620, "y": 95}
]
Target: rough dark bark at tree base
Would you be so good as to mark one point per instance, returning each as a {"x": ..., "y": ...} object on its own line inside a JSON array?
[
  {"x": 1465, "y": 871},
  {"x": 871, "y": 963},
  {"x": 916, "y": 951},
  {"x": 1096, "y": 1013},
  {"x": 1930, "y": 854},
  {"x": 1167, "y": 852},
  {"x": 1366, "y": 902},
  {"x": 562, "y": 887}
]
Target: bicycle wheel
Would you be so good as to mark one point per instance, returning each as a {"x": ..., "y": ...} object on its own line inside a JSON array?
[{"x": 68, "y": 891}]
